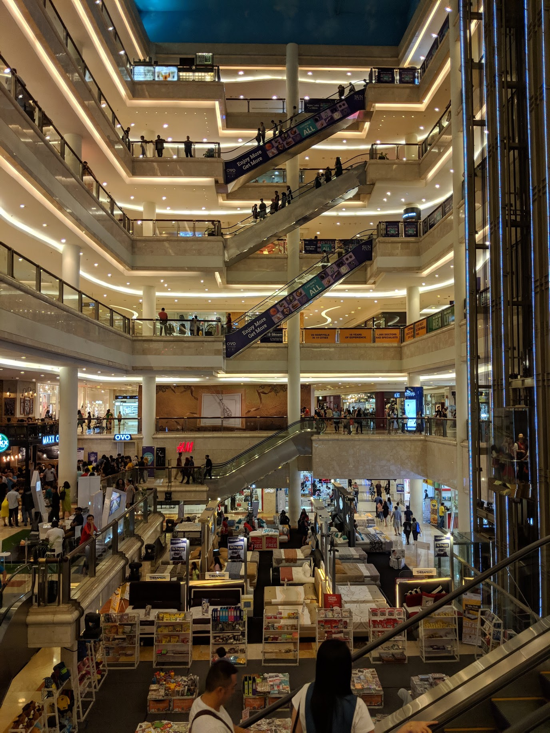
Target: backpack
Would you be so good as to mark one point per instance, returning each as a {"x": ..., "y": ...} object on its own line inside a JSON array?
[{"x": 417, "y": 528}]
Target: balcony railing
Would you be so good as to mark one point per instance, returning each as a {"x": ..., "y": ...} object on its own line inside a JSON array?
[
  {"x": 443, "y": 122},
  {"x": 38, "y": 278},
  {"x": 399, "y": 228},
  {"x": 147, "y": 71},
  {"x": 175, "y": 228},
  {"x": 123, "y": 60},
  {"x": 178, "y": 327},
  {"x": 79, "y": 168},
  {"x": 174, "y": 149},
  {"x": 242, "y": 105}
]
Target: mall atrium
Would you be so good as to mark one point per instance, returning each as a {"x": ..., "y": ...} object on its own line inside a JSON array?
[{"x": 274, "y": 366}]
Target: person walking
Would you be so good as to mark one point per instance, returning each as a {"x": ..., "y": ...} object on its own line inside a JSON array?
[
  {"x": 185, "y": 470},
  {"x": 338, "y": 168},
  {"x": 13, "y": 505},
  {"x": 442, "y": 513},
  {"x": 159, "y": 146},
  {"x": 288, "y": 195},
  {"x": 228, "y": 324},
  {"x": 163, "y": 318},
  {"x": 359, "y": 420},
  {"x": 397, "y": 520},
  {"x": 190, "y": 470},
  {"x": 65, "y": 497},
  {"x": 407, "y": 528},
  {"x": 262, "y": 132},
  {"x": 108, "y": 421},
  {"x": 208, "y": 714},
  {"x": 80, "y": 421},
  {"x": 328, "y": 174},
  {"x": 255, "y": 212},
  {"x": 415, "y": 529},
  {"x": 208, "y": 467},
  {"x": 188, "y": 147},
  {"x": 89, "y": 422},
  {"x": 130, "y": 494},
  {"x": 385, "y": 513},
  {"x": 258, "y": 137},
  {"x": 262, "y": 209},
  {"x": 55, "y": 504},
  {"x": 408, "y": 514},
  {"x": 318, "y": 181},
  {"x": 341, "y": 91}
]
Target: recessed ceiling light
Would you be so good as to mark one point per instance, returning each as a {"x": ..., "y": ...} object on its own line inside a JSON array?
[
  {"x": 241, "y": 73},
  {"x": 44, "y": 225},
  {"x": 104, "y": 183},
  {"x": 165, "y": 125},
  {"x": 95, "y": 264},
  {"x": 63, "y": 241}
]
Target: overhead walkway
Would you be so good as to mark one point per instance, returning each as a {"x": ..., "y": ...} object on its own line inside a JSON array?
[
  {"x": 300, "y": 133},
  {"x": 248, "y": 236},
  {"x": 293, "y": 297}
]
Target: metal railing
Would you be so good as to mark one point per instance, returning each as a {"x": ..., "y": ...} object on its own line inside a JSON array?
[
  {"x": 175, "y": 227},
  {"x": 443, "y": 122},
  {"x": 82, "y": 562},
  {"x": 108, "y": 425},
  {"x": 243, "y": 105},
  {"x": 18, "y": 584},
  {"x": 147, "y": 71},
  {"x": 123, "y": 60},
  {"x": 170, "y": 149},
  {"x": 148, "y": 327},
  {"x": 400, "y": 228},
  {"x": 217, "y": 424},
  {"x": 79, "y": 168},
  {"x": 513, "y": 620},
  {"x": 42, "y": 281}
]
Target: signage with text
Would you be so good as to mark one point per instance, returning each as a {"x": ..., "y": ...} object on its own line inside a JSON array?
[
  {"x": 178, "y": 549},
  {"x": 320, "y": 336},
  {"x": 356, "y": 336},
  {"x": 424, "y": 572},
  {"x": 420, "y": 328},
  {"x": 236, "y": 549},
  {"x": 337, "y": 111},
  {"x": 122, "y": 436},
  {"x": 265, "y": 322},
  {"x": 387, "y": 336},
  {"x": 50, "y": 439},
  {"x": 4, "y": 443},
  {"x": 318, "y": 246},
  {"x": 442, "y": 547},
  {"x": 185, "y": 447}
]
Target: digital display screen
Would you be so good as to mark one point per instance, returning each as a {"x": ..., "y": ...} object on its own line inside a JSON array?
[{"x": 115, "y": 503}]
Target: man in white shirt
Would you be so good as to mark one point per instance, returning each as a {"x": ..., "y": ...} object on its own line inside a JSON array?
[
  {"x": 208, "y": 714},
  {"x": 130, "y": 494},
  {"x": 13, "y": 505},
  {"x": 55, "y": 537}
]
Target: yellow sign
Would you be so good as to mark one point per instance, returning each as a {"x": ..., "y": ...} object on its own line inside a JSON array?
[
  {"x": 434, "y": 514},
  {"x": 409, "y": 333},
  {"x": 387, "y": 335},
  {"x": 420, "y": 328},
  {"x": 320, "y": 335},
  {"x": 356, "y": 335}
]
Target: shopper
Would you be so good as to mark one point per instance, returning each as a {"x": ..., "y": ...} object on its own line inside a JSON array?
[
  {"x": 143, "y": 146},
  {"x": 341, "y": 91},
  {"x": 208, "y": 714},
  {"x": 407, "y": 528},
  {"x": 228, "y": 322},
  {"x": 318, "y": 181},
  {"x": 385, "y": 513},
  {"x": 408, "y": 514},
  {"x": 284, "y": 519},
  {"x": 258, "y": 137},
  {"x": 336, "y": 417},
  {"x": 397, "y": 520},
  {"x": 163, "y": 318},
  {"x": 194, "y": 571},
  {"x": 55, "y": 537},
  {"x": 283, "y": 200},
  {"x": 89, "y": 422},
  {"x": 255, "y": 212},
  {"x": 262, "y": 209},
  {"x": 262, "y": 132},
  {"x": 328, "y": 174},
  {"x": 80, "y": 421},
  {"x": 442, "y": 512},
  {"x": 338, "y": 168},
  {"x": 159, "y": 146},
  {"x": 188, "y": 147},
  {"x": 351, "y": 88},
  {"x": 55, "y": 505},
  {"x": 415, "y": 529},
  {"x": 185, "y": 470},
  {"x": 50, "y": 475},
  {"x": 13, "y": 505},
  {"x": 88, "y": 529},
  {"x": 208, "y": 467},
  {"x": 65, "y": 496},
  {"x": 119, "y": 418},
  {"x": 288, "y": 195},
  {"x": 130, "y": 494},
  {"x": 5, "y": 510},
  {"x": 224, "y": 532},
  {"x": 27, "y": 505}
]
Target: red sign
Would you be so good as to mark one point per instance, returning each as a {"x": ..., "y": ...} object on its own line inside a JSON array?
[
  {"x": 255, "y": 542},
  {"x": 332, "y": 600},
  {"x": 185, "y": 447},
  {"x": 271, "y": 543}
]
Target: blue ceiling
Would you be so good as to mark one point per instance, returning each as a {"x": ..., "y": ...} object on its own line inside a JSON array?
[{"x": 322, "y": 22}]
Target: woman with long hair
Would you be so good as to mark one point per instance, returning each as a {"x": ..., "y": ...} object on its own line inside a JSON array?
[{"x": 328, "y": 704}]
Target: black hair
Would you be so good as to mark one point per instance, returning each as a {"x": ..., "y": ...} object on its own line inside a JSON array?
[
  {"x": 220, "y": 652},
  {"x": 219, "y": 675},
  {"x": 332, "y": 682}
]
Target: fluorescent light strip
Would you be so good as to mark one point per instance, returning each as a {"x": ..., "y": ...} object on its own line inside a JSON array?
[
  {"x": 422, "y": 32},
  {"x": 141, "y": 53},
  {"x": 446, "y": 258}
]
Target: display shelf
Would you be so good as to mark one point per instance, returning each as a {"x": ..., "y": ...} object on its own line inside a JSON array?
[
  {"x": 173, "y": 642},
  {"x": 366, "y": 685},
  {"x": 281, "y": 638},
  {"x": 382, "y": 620},
  {"x": 439, "y": 636},
  {"x": 490, "y": 631},
  {"x": 261, "y": 690},
  {"x": 120, "y": 640},
  {"x": 57, "y": 718},
  {"x": 31, "y": 717},
  {"x": 229, "y": 630},
  {"x": 334, "y": 623},
  {"x": 170, "y": 692},
  {"x": 85, "y": 673},
  {"x": 421, "y": 683}
]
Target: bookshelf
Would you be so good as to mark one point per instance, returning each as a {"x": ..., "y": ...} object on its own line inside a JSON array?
[
  {"x": 173, "y": 642},
  {"x": 120, "y": 640},
  {"x": 229, "y": 631},
  {"x": 382, "y": 620},
  {"x": 281, "y": 638},
  {"x": 439, "y": 636},
  {"x": 490, "y": 631},
  {"x": 335, "y": 623}
]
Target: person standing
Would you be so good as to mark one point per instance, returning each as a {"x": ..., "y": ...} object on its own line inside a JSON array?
[
  {"x": 65, "y": 496},
  {"x": 89, "y": 422},
  {"x": 142, "y": 471},
  {"x": 262, "y": 209},
  {"x": 288, "y": 195},
  {"x": 191, "y": 469},
  {"x": 119, "y": 419},
  {"x": 415, "y": 529},
  {"x": 283, "y": 200},
  {"x": 55, "y": 537},
  {"x": 55, "y": 504},
  {"x": 341, "y": 91},
  {"x": 328, "y": 174},
  {"x": 397, "y": 520},
  {"x": 208, "y": 714},
  {"x": 262, "y": 132},
  {"x": 336, "y": 417},
  {"x": 188, "y": 147},
  {"x": 258, "y": 137},
  {"x": 27, "y": 505},
  {"x": 163, "y": 318},
  {"x": 80, "y": 421},
  {"x": 385, "y": 512},
  {"x": 442, "y": 512},
  {"x": 13, "y": 505},
  {"x": 228, "y": 324},
  {"x": 255, "y": 212},
  {"x": 159, "y": 146},
  {"x": 130, "y": 494},
  {"x": 318, "y": 181},
  {"x": 338, "y": 168},
  {"x": 208, "y": 467},
  {"x": 143, "y": 146}
]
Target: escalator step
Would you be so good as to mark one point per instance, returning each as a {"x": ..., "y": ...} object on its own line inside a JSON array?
[
  {"x": 510, "y": 710},
  {"x": 544, "y": 678}
]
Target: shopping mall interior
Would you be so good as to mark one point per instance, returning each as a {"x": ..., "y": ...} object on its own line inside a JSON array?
[{"x": 274, "y": 366}]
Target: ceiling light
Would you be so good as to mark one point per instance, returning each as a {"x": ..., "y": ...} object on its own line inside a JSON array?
[
  {"x": 241, "y": 73},
  {"x": 95, "y": 264},
  {"x": 21, "y": 206},
  {"x": 437, "y": 185},
  {"x": 274, "y": 96},
  {"x": 44, "y": 225},
  {"x": 132, "y": 197},
  {"x": 310, "y": 73},
  {"x": 165, "y": 125},
  {"x": 63, "y": 241},
  {"x": 104, "y": 183}
]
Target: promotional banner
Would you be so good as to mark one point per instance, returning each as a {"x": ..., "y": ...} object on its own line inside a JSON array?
[
  {"x": 408, "y": 333},
  {"x": 320, "y": 336},
  {"x": 178, "y": 549},
  {"x": 273, "y": 337},
  {"x": 442, "y": 546},
  {"x": 471, "y": 608},
  {"x": 414, "y": 404},
  {"x": 319, "y": 246},
  {"x": 387, "y": 335},
  {"x": 236, "y": 549},
  {"x": 316, "y": 105},
  {"x": 238, "y": 340},
  {"x": 252, "y": 159},
  {"x": 420, "y": 328},
  {"x": 356, "y": 335}
]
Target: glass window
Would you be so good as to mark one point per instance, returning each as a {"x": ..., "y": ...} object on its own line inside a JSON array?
[
  {"x": 88, "y": 307},
  {"x": 104, "y": 315},
  {"x": 70, "y": 296},
  {"x": 49, "y": 285},
  {"x": 24, "y": 271}
]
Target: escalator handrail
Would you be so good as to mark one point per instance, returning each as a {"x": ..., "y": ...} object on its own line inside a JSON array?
[
  {"x": 28, "y": 567},
  {"x": 295, "y": 195},
  {"x": 308, "y": 425},
  {"x": 289, "y": 120},
  {"x": 414, "y": 620},
  {"x": 532, "y": 721},
  {"x": 347, "y": 244}
]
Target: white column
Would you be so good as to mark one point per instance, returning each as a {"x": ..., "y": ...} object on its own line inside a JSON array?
[
  {"x": 416, "y": 501},
  {"x": 68, "y": 408},
  {"x": 148, "y": 408},
  {"x": 70, "y": 265},
  {"x": 149, "y": 212},
  {"x": 413, "y": 303},
  {"x": 151, "y": 136},
  {"x": 293, "y": 324},
  {"x": 75, "y": 142},
  {"x": 413, "y": 380},
  {"x": 148, "y": 309},
  {"x": 411, "y": 149},
  {"x": 459, "y": 269}
]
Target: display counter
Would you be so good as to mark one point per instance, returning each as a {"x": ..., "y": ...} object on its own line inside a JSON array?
[{"x": 170, "y": 692}]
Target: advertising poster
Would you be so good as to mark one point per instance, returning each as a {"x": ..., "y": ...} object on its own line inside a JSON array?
[
  {"x": 319, "y": 246},
  {"x": 148, "y": 452},
  {"x": 408, "y": 333},
  {"x": 420, "y": 328},
  {"x": 320, "y": 336},
  {"x": 356, "y": 336},
  {"x": 239, "y": 339},
  {"x": 92, "y": 458},
  {"x": 332, "y": 600},
  {"x": 442, "y": 546},
  {"x": 178, "y": 549},
  {"x": 471, "y": 608},
  {"x": 391, "y": 229},
  {"x": 387, "y": 336},
  {"x": 414, "y": 401},
  {"x": 273, "y": 337},
  {"x": 434, "y": 514},
  {"x": 338, "y": 110},
  {"x": 236, "y": 549},
  {"x": 410, "y": 228}
]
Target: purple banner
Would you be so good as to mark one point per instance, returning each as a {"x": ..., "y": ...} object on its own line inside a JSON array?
[
  {"x": 238, "y": 340},
  {"x": 261, "y": 154}
]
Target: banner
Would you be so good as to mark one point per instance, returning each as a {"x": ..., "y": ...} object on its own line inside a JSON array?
[
  {"x": 273, "y": 337},
  {"x": 320, "y": 336},
  {"x": 442, "y": 546},
  {"x": 356, "y": 335},
  {"x": 252, "y": 159},
  {"x": 408, "y": 333},
  {"x": 420, "y": 328},
  {"x": 318, "y": 246},
  {"x": 316, "y": 105},
  {"x": 471, "y": 608},
  {"x": 178, "y": 549},
  {"x": 238, "y": 340},
  {"x": 410, "y": 228},
  {"x": 236, "y": 549},
  {"x": 387, "y": 335}
]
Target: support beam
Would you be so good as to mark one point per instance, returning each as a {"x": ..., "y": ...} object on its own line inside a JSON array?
[{"x": 68, "y": 408}]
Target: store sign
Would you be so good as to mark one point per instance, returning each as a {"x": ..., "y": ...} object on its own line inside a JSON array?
[
  {"x": 420, "y": 328},
  {"x": 238, "y": 340},
  {"x": 185, "y": 447},
  {"x": 50, "y": 439},
  {"x": 4, "y": 443},
  {"x": 211, "y": 575},
  {"x": 178, "y": 549},
  {"x": 122, "y": 436},
  {"x": 318, "y": 246},
  {"x": 424, "y": 572},
  {"x": 408, "y": 334},
  {"x": 236, "y": 549},
  {"x": 258, "y": 156},
  {"x": 332, "y": 600},
  {"x": 442, "y": 546}
]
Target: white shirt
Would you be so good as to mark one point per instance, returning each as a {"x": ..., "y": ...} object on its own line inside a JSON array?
[
  {"x": 206, "y": 723},
  {"x": 362, "y": 722},
  {"x": 55, "y": 537},
  {"x": 13, "y": 499}
]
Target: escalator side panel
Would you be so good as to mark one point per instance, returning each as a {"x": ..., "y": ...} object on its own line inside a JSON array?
[
  {"x": 298, "y": 299},
  {"x": 309, "y": 132},
  {"x": 14, "y": 650}
]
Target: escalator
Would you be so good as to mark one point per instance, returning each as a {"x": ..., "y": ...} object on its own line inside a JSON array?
[
  {"x": 262, "y": 458},
  {"x": 297, "y": 294},
  {"x": 15, "y": 602},
  {"x": 300, "y": 133},
  {"x": 308, "y": 202}
]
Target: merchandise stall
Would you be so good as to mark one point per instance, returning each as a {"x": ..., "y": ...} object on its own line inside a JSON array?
[
  {"x": 423, "y": 682},
  {"x": 335, "y": 623},
  {"x": 121, "y": 640},
  {"x": 439, "y": 636},
  {"x": 366, "y": 685},
  {"x": 281, "y": 637},
  {"x": 173, "y": 642},
  {"x": 262, "y": 690},
  {"x": 382, "y": 620},
  {"x": 229, "y": 630},
  {"x": 416, "y": 593},
  {"x": 171, "y": 692}
]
